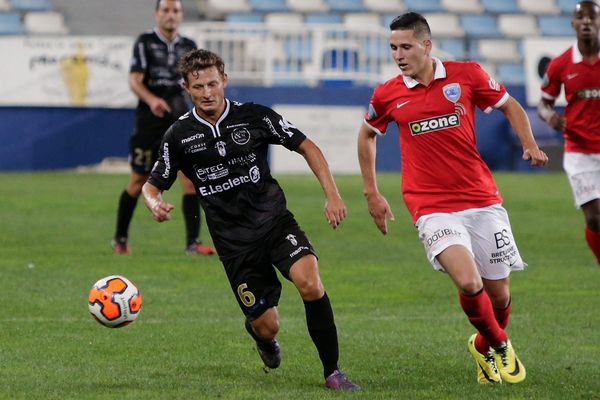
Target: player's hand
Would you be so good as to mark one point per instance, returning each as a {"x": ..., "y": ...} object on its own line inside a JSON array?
[
  {"x": 335, "y": 211},
  {"x": 159, "y": 107},
  {"x": 380, "y": 211},
  {"x": 537, "y": 157},
  {"x": 161, "y": 211},
  {"x": 557, "y": 121}
]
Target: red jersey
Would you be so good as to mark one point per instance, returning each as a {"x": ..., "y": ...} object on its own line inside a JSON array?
[
  {"x": 581, "y": 81},
  {"x": 442, "y": 171}
]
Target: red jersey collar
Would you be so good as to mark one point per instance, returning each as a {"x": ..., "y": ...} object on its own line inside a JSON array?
[{"x": 439, "y": 73}]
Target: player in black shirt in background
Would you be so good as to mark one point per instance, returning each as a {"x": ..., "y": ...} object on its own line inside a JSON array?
[
  {"x": 155, "y": 80},
  {"x": 222, "y": 146}
]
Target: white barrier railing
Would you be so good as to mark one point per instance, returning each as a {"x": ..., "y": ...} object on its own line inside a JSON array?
[{"x": 257, "y": 54}]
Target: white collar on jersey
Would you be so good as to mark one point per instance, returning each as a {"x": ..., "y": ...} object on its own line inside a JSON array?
[
  {"x": 440, "y": 73},
  {"x": 577, "y": 57}
]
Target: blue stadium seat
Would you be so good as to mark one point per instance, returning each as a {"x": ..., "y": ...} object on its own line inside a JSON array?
[
  {"x": 377, "y": 49},
  {"x": 567, "y": 6},
  {"x": 244, "y": 18},
  {"x": 500, "y": 6},
  {"x": 341, "y": 59},
  {"x": 10, "y": 24},
  {"x": 551, "y": 25},
  {"x": 480, "y": 25},
  {"x": 31, "y": 5},
  {"x": 511, "y": 74},
  {"x": 320, "y": 18},
  {"x": 268, "y": 5},
  {"x": 423, "y": 6},
  {"x": 456, "y": 47},
  {"x": 298, "y": 49},
  {"x": 346, "y": 5}
]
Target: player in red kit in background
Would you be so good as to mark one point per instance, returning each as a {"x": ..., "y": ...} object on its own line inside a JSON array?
[
  {"x": 578, "y": 70},
  {"x": 448, "y": 189}
]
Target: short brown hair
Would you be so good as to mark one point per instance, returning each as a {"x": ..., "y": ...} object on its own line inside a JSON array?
[
  {"x": 200, "y": 59},
  {"x": 412, "y": 21}
]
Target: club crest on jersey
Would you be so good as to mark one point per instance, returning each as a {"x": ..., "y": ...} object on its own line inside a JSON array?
[
  {"x": 434, "y": 124},
  {"x": 240, "y": 136},
  {"x": 452, "y": 92},
  {"x": 292, "y": 239},
  {"x": 220, "y": 146}
]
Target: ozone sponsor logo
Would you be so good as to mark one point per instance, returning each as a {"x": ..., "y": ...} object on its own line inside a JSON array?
[
  {"x": 211, "y": 173},
  {"x": 589, "y": 94},
  {"x": 167, "y": 161},
  {"x": 192, "y": 138},
  {"x": 434, "y": 124},
  {"x": 252, "y": 177},
  {"x": 240, "y": 136},
  {"x": 460, "y": 108}
]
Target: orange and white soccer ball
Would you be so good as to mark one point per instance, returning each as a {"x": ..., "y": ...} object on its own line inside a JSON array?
[{"x": 115, "y": 301}]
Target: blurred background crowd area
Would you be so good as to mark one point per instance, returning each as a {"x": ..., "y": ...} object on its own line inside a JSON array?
[
  {"x": 488, "y": 31},
  {"x": 65, "y": 55}
]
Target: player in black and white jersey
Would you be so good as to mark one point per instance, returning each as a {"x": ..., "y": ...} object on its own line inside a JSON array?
[
  {"x": 222, "y": 146},
  {"x": 155, "y": 79}
]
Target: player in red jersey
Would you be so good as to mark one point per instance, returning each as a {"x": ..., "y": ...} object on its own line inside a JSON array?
[
  {"x": 447, "y": 188},
  {"x": 578, "y": 70}
]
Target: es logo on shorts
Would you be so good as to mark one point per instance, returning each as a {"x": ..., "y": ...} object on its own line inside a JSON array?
[{"x": 433, "y": 124}]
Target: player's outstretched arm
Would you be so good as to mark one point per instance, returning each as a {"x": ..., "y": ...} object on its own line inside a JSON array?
[
  {"x": 153, "y": 199},
  {"x": 553, "y": 118},
  {"x": 378, "y": 206},
  {"x": 335, "y": 209},
  {"x": 517, "y": 117}
]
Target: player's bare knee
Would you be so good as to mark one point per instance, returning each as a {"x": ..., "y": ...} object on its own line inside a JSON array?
[
  {"x": 470, "y": 287},
  {"x": 311, "y": 289}
]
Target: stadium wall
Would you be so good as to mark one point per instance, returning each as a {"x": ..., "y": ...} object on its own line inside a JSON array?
[{"x": 43, "y": 138}]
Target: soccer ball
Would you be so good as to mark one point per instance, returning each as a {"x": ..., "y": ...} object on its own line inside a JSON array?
[{"x": 114, "y": 301}]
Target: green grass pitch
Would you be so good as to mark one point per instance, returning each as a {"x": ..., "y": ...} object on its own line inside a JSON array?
[{"x": 402, "y": 332}]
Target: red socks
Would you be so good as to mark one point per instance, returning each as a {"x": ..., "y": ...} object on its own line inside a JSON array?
[
  {"x": 480, "y": 312},
  {"x": 502, "y": 315},
  {"x": 593, "y": 240}
]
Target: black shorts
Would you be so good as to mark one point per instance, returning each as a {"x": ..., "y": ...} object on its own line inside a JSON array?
[
  {"x": 145, "y": 142},
  {"x": 252, "y": 274}
]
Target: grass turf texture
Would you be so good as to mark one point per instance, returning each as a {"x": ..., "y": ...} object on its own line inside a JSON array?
[{"x": 402, "y": 333}]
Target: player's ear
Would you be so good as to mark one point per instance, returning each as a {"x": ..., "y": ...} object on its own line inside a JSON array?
[
  {"x": 428, "y": 46},
  {"x": 225, "y": 80}
]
